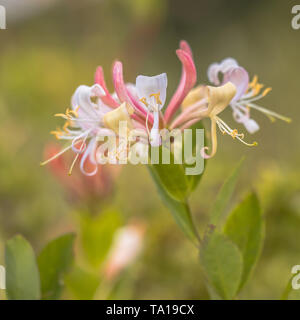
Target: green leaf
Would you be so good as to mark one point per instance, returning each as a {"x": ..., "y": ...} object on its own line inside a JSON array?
[
  {"x": 225, "y": 194},
  {"x": 82, "y": 284},
  {"x": 245, "y": 227},
  {"x": 222, "y": 263},
  {"x": 193, "y": 180},
  {"x": 172, "y": 177},
  {"x": 22, "y": 275},
  {"x": 180, "y": 210},
  {"x": 97, "y": 234},
  {"x": 54, "y": 261}
]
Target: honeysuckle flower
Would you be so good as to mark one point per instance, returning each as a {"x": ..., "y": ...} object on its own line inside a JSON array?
[
  {"x": 208, "y": 102},
  {"x": 247, "y": 93},
  {"x": 152, "y": 93},
  {"x": 87, "y": 121}
]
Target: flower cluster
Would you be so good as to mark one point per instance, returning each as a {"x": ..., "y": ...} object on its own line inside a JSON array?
[{"x": 96, "y": 113}]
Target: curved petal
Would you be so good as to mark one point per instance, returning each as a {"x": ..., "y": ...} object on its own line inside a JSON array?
[
  {"x": 227, "y": 64},
  {"x": 220, "y": 97},
  {"x": 89, "y": 158},
  {"x": 240, "y": 78},
  {"x": 183, "y": 45},
  {"x": 222, "y": 67},
  {"x": 121, "y": 90},
  {"x": 82, "y": 99},
  {"x": 213, "y": 73},
  {"x": 107, "y": 98},
  {"x": 187, "y": 82}
]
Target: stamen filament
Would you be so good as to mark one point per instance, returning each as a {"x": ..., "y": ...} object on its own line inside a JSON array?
[
  {"x": 56, "y": 155},
  {"x": 270, "y": 113}
]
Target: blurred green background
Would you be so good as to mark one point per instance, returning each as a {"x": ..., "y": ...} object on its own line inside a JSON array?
[{"x": 50, "y": 49}]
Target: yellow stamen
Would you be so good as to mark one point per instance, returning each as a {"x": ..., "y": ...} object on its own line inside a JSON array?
[
  {"x": 253, "y": 83},
  {"x": 257, "y": 88},
  {"x": 73, "y": 164},
  {"x": 234, "y": 133},
  {"x": 266, "y": 91},
  {"x": 62, "y": 115},
  {"x": 144, "y": 101},
  {"x": 68, "y": 114},
  {"x": 157, "y": 98},
  {"x": 74, "y": 112},
  {"x": 57, "y": 133},
  {"x": 65, "y": 127}
]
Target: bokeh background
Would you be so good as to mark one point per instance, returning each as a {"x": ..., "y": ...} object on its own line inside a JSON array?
[{"x": 50, "y": 47}]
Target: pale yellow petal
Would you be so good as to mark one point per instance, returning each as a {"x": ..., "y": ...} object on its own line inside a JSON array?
[
  {"x": 122, "y": 113},
  {"x": 194, "y": 96},
  {"x": 220, "y": 97}
]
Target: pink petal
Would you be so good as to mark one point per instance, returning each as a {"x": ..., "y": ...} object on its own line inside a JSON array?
[
  {"x": 186, "y": 47},
  {"x": 107, "y": 98},
  {"x": 123, "y": 93},
  {"x": 187, "y": 82}
]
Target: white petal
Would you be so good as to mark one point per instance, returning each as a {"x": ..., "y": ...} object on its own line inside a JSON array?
[
  {"x": 83, "y": 95},
  {"x": 146, "y": 86},
  {"x": 89, "y": 152},
  {"x": 251, "y": 125},
  {"x": 227, "y": 64},
  {"x": 82, "y": 98},
  {"x": 213, "y": 73},
  {"x": 222, "y": 67}
]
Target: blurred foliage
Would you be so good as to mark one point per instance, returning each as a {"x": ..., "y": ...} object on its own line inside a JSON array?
[{"x": 44, "y": 57}]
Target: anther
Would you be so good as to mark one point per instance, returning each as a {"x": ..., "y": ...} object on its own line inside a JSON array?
[
  {"x": 266, "y": 91},
  {"x": 144, "y": 101},
  {"x": 157, "y": 98}
]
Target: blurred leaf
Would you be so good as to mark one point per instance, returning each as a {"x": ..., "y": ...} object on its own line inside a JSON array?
[
  {"x": 54, "y": 261},
  {"x": 97, "y": 234},
  {"x": 225, "y": 194},
  {"x": 22, "y": 275},
  {"x": 222, "y": 263},
  {"x": 180, "y": 210},
  {"x": 82, "y": 284},
  {"x": 245, "y": 227}
]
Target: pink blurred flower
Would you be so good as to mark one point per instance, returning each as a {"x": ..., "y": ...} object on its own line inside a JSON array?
[
  {"x": 82, "y": 187},
  {"x": 127, "y": 244}
]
